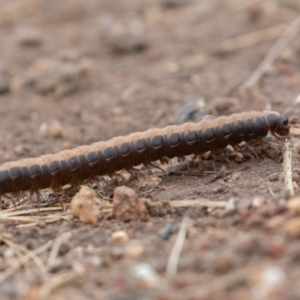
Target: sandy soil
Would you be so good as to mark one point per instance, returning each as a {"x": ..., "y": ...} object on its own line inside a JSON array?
[{"x": 75, "y": 72}]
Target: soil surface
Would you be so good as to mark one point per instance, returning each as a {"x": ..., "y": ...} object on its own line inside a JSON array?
[{"x": 75, "y": 72}]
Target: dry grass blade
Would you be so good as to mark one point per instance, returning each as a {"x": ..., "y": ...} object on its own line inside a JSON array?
[
  {"x": 21, "y": 216},
  {"x": 172, "y": 264},
  {"x": 251, "y": 38},
  {"x": 198, "y": 202},
  {"x": 24, "y": 260},
  {"x": 285, "y": 38},
  {"x": 191, "y": 203},
  {"x": 287, "y": 170},
  {"x": 55, "y": 249},
  {"x": 55, "y": 282},
  {"x": 23, "y": 220},
  {"x": 47, "y": 220},
  {"x": 14, "y": 212},
  {"x": 20, "y": 250}
]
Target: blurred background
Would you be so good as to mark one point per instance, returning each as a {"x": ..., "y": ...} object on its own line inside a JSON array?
[{"x": 73, "y": 72}]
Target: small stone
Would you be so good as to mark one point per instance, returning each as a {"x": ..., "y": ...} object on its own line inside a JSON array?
[
  {"x": 123, "y": 38},
  {"x": 273, "y": 177},
  {"x": 293, "y": 205},
  {"x": 84, "y": 265},
  {"x": 292, "y": 227},
  {"x": 192, "y": 111},
  {"x": 143, "y": 276},
  {"x": 223, "y": 264},
  {"x": 218, "y": 188},
  {"x": 127, "y": 205},
  {"x": 275, "y": 222},
  {"x": 119, "y": 236},
  {"x": 54, "y": 76},
  {"x": 134, "y": 249},
  {"x": 258, "y": 202},
  {"x": 51, "y": 129},
  {"x": 84, "y": 205},
  {"x": 235, "y": 176},
  {"x": 167, "y": 230},
  {"x": 295, "y": 186},
  {"x": 230, "y": 207},
  {"x": 271, "y": 283},
  {"x": 21, "y": 150}
]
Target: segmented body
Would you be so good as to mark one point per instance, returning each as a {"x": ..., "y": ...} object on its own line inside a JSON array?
[{"x": 106, "y": 158}]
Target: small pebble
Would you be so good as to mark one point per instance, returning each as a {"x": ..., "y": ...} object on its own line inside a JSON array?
[
  {"x": 123, "y": 38},
  {"x": 127, "y": 205},
  {"x": 119, "y": 236},
  {"x": 223, "y": 264},
  {"x": 21, "y": 150},
  {"x": 271, "y": 284},
  {"x": 292, "y": 227},
  {"x": 218, "y": 188},
  {"x": 191, "y": 112},
  {"x": 293, "y": 205},
  {"x": 55, "y": 76},
  {"x": 84, "y": 205},
  {"x": 167, "y": 230},
  {"x": 51, "y": 129},
  {"x": 235, "y": 176},
  {"x": 258, "y": 202},
  {"x": 295, "y": 186},
  {"x": 230, "y": 207},
  {"x": 273, "y": 177},
  {"x": 134, "y": 249},
  {"x": 275, "y": 222},
  {"x": 143, "y": 275}
]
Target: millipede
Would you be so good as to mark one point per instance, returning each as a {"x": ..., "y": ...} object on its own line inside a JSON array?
[{"x": 84, "y": 163}]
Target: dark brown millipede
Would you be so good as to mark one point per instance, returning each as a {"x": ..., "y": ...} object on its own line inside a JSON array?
[{"x": 106, "y": 158}]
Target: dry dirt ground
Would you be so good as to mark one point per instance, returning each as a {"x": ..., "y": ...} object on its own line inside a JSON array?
[{"x": 74, "y": 72}]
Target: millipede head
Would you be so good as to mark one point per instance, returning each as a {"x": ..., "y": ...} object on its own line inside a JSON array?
[{"x": 283, "y": 127}]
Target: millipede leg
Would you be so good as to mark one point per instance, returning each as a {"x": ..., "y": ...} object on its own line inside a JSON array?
[
  {"x": 165, "y": 160},
  {"x": 191, "y": 162},
  {"x": 102, "y": 179},
  {"x": 134, "y": 174},
  {"x": 154, "y": 166},
  {"x": 58, "y": 199},
  {"x": 11, "y": 198},
  {"x": 241, "y": 149},
  {"x": 119, "y": 178},
  {"x": 252, "y": 150},
  {"x": 278, "y": 137},
  {"x": 222, "y": 154}
]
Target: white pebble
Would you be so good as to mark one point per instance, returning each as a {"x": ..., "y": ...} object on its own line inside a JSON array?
[{"x": 143, "y": 275}]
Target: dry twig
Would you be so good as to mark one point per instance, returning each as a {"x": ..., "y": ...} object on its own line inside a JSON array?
[
  {"x": 285, "y": 38},
  {"x": 287, "y": 170},
  {"x": 55, "y": 249},
  {"x": 171, "y": 269}
]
